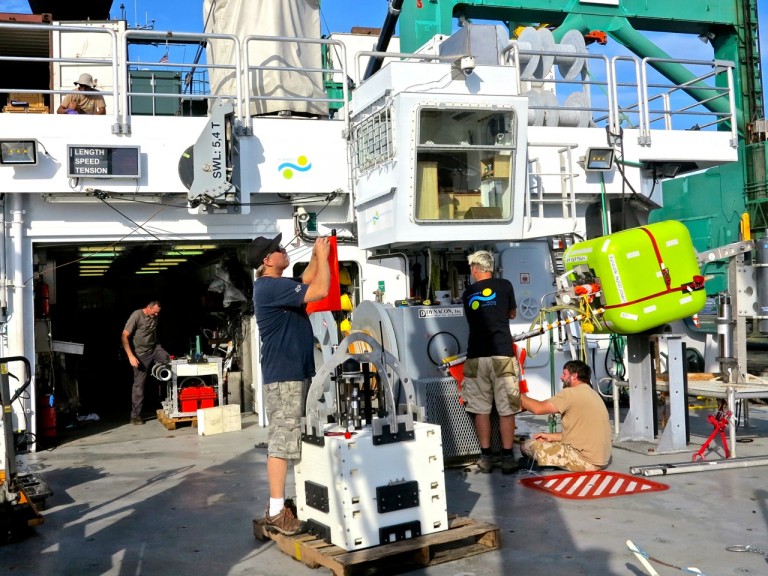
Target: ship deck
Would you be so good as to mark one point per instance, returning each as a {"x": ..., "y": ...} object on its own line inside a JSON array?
[{"x": 152, "y": 501}]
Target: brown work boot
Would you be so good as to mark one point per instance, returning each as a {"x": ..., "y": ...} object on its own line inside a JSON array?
[
  {"x": 485, "y": 464},
  {"x": 509, "y": 465},
  {"x": 284, "y": 522}
]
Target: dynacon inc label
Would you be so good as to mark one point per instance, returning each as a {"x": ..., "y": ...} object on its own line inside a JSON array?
[{"x": 440, "y": 312}]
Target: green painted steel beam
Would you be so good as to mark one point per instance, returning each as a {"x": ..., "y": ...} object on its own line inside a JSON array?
[{"x": 418, "y": 25}]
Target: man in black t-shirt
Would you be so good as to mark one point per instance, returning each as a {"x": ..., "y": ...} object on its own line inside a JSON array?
[{"x": 491, "y": 371}]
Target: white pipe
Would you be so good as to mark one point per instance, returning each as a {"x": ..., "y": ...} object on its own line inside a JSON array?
[
  {"x": 3, "y": 275},
  {"x": 667, "y": 469},
  {"x": 732, "y": 418},
  {"x": 643, "y": 560},
  {"x": 20, "y": 302}
]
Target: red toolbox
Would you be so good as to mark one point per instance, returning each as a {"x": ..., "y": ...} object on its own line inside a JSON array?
[
  {"x": 189, "y": 398},
  {"x": 207, "y": 396}
]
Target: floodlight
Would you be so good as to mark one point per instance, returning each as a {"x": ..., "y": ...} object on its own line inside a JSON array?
[
  {"x": 18, "y": 152},
  {"x": 599, "y": 159}
]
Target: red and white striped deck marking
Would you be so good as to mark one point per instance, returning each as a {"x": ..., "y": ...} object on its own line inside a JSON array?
[{"x": 588, "y": 485}]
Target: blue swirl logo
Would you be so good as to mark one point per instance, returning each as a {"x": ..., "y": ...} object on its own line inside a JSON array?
[
  {"x": 485, "y": 296},
  {"x": 287, "y": 168}
]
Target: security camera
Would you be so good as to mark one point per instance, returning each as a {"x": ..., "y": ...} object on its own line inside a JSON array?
[
  {"x": 467, "y": 65},
  {"x": 301, "y": 215}
]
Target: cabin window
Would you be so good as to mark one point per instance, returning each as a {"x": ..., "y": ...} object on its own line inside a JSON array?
[{"x": 465, "y": 161}]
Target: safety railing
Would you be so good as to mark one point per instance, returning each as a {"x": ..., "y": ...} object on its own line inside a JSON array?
[
  {"x": 119, "y": 60},
  {"x": 108, "y": 60},
  {"x": 586, "y": 97},
  {"x": 624, "y": 91},
  {"x": 699, "y": 103},
  {"x": 143, "y": 36},
  {"x": 538, "y": 195},
  {"x": 593, "y": 97},
  {"x": 314, "y": 76}
]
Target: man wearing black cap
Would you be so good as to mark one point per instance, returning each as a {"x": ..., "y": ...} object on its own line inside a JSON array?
[
  {"x": 87, "y": 101},
  {"x": 287, "y": 357}
]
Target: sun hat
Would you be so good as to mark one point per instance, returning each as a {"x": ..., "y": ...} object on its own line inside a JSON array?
[{"x": 86, "y": 80}]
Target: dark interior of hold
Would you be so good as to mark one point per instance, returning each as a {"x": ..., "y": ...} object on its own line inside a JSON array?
[{"x": 93, "y": 310}]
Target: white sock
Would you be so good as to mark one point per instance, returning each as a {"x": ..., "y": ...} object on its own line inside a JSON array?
[{"x": 275, "y": 505}]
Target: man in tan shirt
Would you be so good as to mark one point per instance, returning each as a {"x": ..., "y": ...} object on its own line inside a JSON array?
[
  {"x": 585, "y": 442},
  {"x": 88, "y": 101}
]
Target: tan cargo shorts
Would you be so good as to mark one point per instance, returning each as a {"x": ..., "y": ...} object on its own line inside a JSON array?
[
  {"x": 285, "y": 408},
  {"x": 494, "y": 379}
]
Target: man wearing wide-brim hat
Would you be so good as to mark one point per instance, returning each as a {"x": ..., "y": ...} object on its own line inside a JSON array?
[{"x": 87, "y": 101}]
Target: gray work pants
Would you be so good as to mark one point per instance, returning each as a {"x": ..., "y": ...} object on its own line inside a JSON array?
[{"x": 155, "y": 356}]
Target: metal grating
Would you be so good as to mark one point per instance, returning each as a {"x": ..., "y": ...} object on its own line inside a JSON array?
[
  {"x": 441, "y": 401},
  {"x": 373, "y": 144}
]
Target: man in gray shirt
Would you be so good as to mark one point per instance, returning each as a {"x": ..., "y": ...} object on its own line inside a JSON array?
[{"x": 141, "y": 331}]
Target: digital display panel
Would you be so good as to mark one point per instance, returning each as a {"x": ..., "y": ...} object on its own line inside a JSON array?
[{"x": 103, "y": 161}]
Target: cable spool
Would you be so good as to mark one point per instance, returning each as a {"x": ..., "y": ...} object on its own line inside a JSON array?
[
  {"x": 569, "y": 64},
  {"x": 551, "y": 112},
  {"x": 535, "y": 107},
  {"x": 547, "y": 43},
  {"x": 578, "y": 117},
  {"x": 529, "y": 41},
  {"x": 162, "y": 372}
]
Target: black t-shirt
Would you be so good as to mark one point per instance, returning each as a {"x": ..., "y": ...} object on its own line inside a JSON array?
[{"x": 487, "y": 304}]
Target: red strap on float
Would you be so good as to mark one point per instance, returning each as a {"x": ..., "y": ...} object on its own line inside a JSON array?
[
  {"x": 664, "y": 270},
  {"x": 696, "y": 283}
]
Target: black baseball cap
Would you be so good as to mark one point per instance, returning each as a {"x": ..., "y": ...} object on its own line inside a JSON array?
[{"x": 260, "y": 248}]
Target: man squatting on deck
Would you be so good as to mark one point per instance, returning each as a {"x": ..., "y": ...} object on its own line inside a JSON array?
[
  {"x": 287, "y": 358},
  {"x": 585, "y": 443}
]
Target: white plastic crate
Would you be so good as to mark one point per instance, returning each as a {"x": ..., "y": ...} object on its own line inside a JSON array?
[{"x": 355, "y": 476}]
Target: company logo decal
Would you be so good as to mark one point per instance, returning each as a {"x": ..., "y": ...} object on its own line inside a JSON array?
[
  {"x": 487, "y": 295},
  {"x": 287, "y": 168},
  {"x": 440, "y": 312}
]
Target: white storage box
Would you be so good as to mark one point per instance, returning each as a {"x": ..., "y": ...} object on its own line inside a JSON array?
[
  {"x": 218, "y": 420},
  {"x": 362, "y": 495}
]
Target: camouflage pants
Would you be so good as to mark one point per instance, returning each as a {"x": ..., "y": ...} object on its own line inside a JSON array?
[
  {"x": 558, "y": 455},
  {"x": 285, "y": 408}
]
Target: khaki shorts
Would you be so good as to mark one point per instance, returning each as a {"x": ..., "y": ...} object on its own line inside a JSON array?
[
  {"x": 491, "y": 380},
  {"x": 285, "y": 407},
  {"x": 558, "y": 455}
]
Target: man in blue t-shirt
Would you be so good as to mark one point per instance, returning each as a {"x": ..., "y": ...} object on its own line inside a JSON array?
[
  {"x": 287, "y": 357},
  {"x": 491, "y": 371}
]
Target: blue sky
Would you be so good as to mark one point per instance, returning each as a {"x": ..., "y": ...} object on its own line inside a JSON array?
[{"x": 187, "y": 15}]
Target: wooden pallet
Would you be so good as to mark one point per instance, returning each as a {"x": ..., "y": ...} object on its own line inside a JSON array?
[
  {"x": 465, "y": 537},
  {"x": 172, "y": 423}
]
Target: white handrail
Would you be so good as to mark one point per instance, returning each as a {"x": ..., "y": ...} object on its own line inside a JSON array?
[{"x": 71, "y": 29}]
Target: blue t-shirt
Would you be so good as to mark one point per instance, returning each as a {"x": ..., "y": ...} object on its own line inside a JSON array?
[{"x": 287, "y": 341}]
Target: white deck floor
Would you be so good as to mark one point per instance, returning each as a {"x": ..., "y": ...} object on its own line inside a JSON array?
[{"x": 142, "y": 500}]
